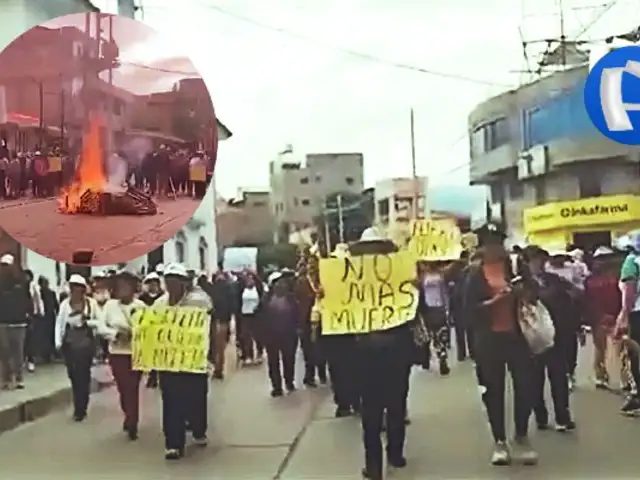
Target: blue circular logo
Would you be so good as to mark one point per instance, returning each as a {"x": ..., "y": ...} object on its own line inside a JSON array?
[{"x": 612, "y": 95}]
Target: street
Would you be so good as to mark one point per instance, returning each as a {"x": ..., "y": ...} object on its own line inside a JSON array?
[
  {"x": 255, "y": 436},
  {"x": 114, "y": 239}
]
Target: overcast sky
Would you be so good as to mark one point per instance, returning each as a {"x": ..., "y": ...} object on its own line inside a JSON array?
[{"x": 291, "y": 83}]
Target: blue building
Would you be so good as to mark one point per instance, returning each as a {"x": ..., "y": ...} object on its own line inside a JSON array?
[{"x": 538, "y": 153}]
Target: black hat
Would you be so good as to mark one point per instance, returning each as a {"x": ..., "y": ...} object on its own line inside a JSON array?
[
  {"x": 534, "y": 251},
  {"x": 490, "y": 233}
]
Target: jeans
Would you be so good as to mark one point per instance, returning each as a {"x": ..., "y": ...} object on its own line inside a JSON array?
[
  {"x": 12, "y": 353},
  {"x": 282, "y": 346},
  {"x": 494, "y": 354}
]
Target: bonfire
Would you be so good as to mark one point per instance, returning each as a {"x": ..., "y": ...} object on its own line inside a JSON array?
[{"x": 90, "y": 192}]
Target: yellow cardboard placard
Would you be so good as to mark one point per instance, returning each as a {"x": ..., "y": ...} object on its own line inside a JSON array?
[
  {"x": 198, "y": 173},
  {"x": 435, "y": 239},
  {"x": 55, "y": 164},
  {"x": 171, "y": 339},
  {"x": 367, "y": 293}
]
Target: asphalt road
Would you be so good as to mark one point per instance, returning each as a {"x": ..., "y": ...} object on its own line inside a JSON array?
[
  {"x": 40, "y": 227},
  {"x": 296, "y": 437}
]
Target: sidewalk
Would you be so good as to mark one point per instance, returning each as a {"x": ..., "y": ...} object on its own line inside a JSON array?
[{"x": 48, "y": 390}]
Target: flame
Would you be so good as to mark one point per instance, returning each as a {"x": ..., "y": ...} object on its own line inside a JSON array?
[{"x": 90, "y": 173}]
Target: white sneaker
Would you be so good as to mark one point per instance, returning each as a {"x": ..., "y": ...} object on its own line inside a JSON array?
[
  {"x": 31, "y": 367},
  {"x": 524, "y": 452},
  {"x": 500, "y": 455}
]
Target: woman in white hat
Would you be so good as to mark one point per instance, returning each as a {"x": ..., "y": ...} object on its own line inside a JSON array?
[
  {"x": 117, "y": 316},
  {"x": 76, "y": 326},
  {"x": 603, "y": 300},
  {"x": 184, "y": 394}
]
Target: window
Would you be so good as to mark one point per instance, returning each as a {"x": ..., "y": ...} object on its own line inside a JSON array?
[
  {"x": 318, "y": 178},
  {"x": 349, "y": 180},
  {"x": 304, "y": 180},
  {"x": 117, "y": 107},
  {"x": 306, "y": 202},
  {"x": 383, "y": 207},
  {"x": 497, "y": 192},
  {"x": 589, "y": 183},
  {"x": 490, "y": 136},
  {"x": 203, "y": 251},
  {"x": 295, "y": 201},
  {"x": 180, "y": 252}
]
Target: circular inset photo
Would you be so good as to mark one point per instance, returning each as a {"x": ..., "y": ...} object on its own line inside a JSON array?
[{"x": 108, "y": 142}]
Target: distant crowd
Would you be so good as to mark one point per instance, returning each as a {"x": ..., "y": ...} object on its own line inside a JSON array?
[{"x": 43, "y": 173}]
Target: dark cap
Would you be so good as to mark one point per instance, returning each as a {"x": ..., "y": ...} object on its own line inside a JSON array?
[
  {"x": 490, "y": 233},
  {"x": 534, "y": 251}
]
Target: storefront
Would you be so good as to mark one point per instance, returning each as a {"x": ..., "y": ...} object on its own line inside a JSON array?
[{"x": 587, "y": 222}]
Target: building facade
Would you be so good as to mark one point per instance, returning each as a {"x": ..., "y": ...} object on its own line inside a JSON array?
[
  {"x": 246, "y": 220},
  {"x": 553, "y": 178},
  {"x": 299, "y": 188}
]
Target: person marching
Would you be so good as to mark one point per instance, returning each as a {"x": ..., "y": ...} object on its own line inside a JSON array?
[
  {"x": 198, "y": 176},
  {"x": 280, "y": 317},
  {"x": 433, "y": 306},
  {"x": 498, "y": 343},
  {"x": 152, "y": 290},
  {"x": 184, "y": 394},
  {"x": 384, "y": 383},
  {"x": 117, "y": 316},
  {"x": 101, "y": 294},
  {"x": 75, "y": 329}
]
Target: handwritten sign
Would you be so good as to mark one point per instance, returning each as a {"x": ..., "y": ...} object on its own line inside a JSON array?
[
  {"x": 435, "y": 239},
  {"x": 367, "y": 293},
  {"x": 171, "y": 339},
  {"x": 198, "y": 173}
]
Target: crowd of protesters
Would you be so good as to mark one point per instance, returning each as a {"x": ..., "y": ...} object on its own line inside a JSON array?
[{"x": 165, "y": 171}]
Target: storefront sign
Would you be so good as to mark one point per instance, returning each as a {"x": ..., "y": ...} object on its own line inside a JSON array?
[{"x": 582, "y": 213}]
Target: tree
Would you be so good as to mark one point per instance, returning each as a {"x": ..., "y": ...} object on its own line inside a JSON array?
[{"x": 356, "y": 211}]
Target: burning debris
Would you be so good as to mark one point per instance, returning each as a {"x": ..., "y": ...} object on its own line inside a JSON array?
[{"x": 90, "y": 192}]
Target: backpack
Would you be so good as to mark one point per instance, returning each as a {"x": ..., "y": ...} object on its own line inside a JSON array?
[{"x": 80, "y": 338}]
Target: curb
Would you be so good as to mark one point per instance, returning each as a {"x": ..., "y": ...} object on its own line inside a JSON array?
[{"x": 36, "y": 408}]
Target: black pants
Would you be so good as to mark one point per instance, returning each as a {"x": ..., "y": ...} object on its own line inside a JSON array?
[
  {"x": 200, "y": 189},
  {"x": 184, "y": 402},
  {"x": 281, "y": 358},
  {"x": 634, "y": 334},
  {"x": 495, "y": 353},
  {"x": 314, "y": 361},
  {"x": 344, "y": 369},
  {"x": 568, "y": 344},
  {"x": 464, "y": 341},
  {"x": 78, "y": 365},
  {"x": 384, "y": 389},
  {"x": 250, "y": 337},
  {"x": 551, "y": 364}
]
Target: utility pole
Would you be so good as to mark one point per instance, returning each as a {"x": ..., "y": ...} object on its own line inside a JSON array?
[
  {"x": 41, "y": 119},
  {"x": 110, "y": 104},
  {"x": 327, "y": 230},
  {"x": 413, "y": 165},
  {"x": 563, "y": 38},
  {"x": 340, "y": 220}
]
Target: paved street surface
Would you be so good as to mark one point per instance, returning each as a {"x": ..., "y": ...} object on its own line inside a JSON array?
[
  {"x": 296, "y": 437},
  {"x": 115, "y": 239}
]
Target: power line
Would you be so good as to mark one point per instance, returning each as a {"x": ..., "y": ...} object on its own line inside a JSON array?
[
  {"x": 597, "y": 18},
  {"x": 347, "y": 51},
  {"x": 158, "y": 69}
]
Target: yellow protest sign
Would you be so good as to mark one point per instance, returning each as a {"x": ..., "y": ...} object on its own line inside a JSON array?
[
  {"x": 435, "y": 239},
  {"x": 198, "y": 173},
  {"x": 367, "y": 293},
  {"x": 171, "y": 339},
  {"x": 55, "y": 164}
]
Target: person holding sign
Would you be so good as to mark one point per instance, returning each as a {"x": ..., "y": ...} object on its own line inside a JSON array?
[
  {"x": 118, "y": 313},
  {"x": 152, "y": 290},
  {"x": 184, "y": 393},
  {"x": 198, "y": 175},
  {"x": 75, "y": 329}
]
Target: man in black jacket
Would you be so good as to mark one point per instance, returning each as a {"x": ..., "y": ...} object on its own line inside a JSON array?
[{"x": 14, "y": 308}]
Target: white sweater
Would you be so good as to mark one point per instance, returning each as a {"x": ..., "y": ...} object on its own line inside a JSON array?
[
  {"x": 64, "y": 319},
  {"x": 117, "y": 317}
]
